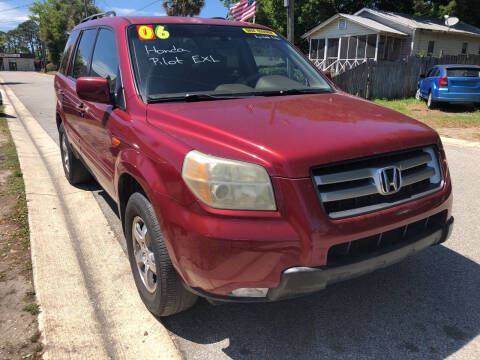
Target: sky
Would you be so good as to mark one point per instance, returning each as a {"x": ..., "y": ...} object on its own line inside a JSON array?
[{"x": 13, "y": 12}]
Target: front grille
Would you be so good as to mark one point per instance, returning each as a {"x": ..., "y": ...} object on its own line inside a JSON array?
[
  {"x": 363, "y": 249},
  {"x": 366, "y": 185}
]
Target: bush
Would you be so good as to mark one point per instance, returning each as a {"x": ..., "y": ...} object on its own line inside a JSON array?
[{"x": 51, "y": 67}]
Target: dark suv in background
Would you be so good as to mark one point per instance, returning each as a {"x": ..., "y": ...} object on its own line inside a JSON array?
[{"x": 241, "y": 173}]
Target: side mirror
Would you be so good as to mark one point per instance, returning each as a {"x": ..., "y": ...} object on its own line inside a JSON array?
[
  {"x": 422, "y": 76},
  {"x": 94, "y": 89}
]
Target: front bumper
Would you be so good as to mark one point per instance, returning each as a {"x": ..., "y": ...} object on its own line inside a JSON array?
[{"x": 297, "y": 281}]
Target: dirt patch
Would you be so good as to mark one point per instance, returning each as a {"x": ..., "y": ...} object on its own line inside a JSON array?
[
  {"x": 470, "y": 134},
  {"x": 18, "y": 309}
]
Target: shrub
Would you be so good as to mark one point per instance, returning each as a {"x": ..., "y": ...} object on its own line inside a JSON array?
[{"x": 51, "y": 67}]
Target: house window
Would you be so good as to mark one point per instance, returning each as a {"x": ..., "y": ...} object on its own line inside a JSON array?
[
  {"x": 431, "y": 45},
  {"x": 342, "y": 24},
  {"x": 464, "y": 48}
]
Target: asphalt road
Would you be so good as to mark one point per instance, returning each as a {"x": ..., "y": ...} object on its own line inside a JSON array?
[{"x": 426, "y": 307}]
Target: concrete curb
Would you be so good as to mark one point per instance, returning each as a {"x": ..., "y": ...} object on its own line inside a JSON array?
[
  {"x": 459, "y": 142},
  {"x": 89, "y": 304}
]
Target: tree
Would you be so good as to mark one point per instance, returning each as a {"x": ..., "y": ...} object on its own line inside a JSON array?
[
  {"x": 183, "y": 7},
  {"x": 29, "y": 31},
  {"x": 56, "y": 18},
  {"x": 467, "y": 11},
  {"x": 3, "y": 39}
]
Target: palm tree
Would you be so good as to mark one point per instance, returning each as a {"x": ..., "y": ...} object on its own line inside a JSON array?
[{"x": 183, "y": 7}]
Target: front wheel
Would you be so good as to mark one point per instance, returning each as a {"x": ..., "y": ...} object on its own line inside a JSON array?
[
  {"x": 418, "y": 95},
  {"x": 158, "y": 283}
]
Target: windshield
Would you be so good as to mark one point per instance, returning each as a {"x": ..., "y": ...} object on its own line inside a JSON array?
[{"x": 179, "y": 61}]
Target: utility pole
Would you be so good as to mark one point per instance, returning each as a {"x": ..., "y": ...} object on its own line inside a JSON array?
[
  {"x": 290, "y": 4},
  {"x": 86, "y": 8}
]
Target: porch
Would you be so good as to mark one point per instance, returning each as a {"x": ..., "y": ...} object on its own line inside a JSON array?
[
  {"x": 344, "y": 53},
  {"x": 346, "y": 41}
]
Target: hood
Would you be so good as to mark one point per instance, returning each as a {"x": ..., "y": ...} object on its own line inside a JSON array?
[{"x": 290, "y": 134}]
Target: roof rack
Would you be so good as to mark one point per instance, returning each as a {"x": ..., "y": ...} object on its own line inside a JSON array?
[
  {"x": 218, "y": 18},
  {"x": 98, "y": 16}
]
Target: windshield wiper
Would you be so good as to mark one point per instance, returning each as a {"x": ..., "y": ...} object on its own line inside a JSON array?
[
  {"x": 193, "y": 97},
  {"x": 206, "y": 97},
  {"x": 292, "y": 92},
  {"x": 211, "y": 97}
]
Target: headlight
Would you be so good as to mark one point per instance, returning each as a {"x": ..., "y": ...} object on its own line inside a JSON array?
[{"x": 228, "y": 184}]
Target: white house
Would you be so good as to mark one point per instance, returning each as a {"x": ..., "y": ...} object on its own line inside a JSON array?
[{"x": 345, "y": 41}]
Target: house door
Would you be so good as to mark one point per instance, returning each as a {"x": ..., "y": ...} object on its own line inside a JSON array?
[{"x": 12, "y": 65}]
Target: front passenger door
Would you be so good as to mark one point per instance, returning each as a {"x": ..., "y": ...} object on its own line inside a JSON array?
[{"x": 103, "y": 121}]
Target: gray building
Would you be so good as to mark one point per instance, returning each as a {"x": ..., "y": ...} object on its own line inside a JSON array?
[
  {"x": 345, "y": 41},
  {"x": 17, "y": 62}
]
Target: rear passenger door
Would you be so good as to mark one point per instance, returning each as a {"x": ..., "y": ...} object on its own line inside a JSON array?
[
  {"x": 425, "y": 86},
  {"x": 429, "y": 80},
  {"x": 74, "y": 108}
]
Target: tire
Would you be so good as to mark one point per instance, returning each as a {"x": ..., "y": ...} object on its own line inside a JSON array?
[
  {"x": 431, "y": 104},
  {"x": 75, "y": 171},
  {"x": 158, "y": 284},
  {"x": 418, "y": 95}
]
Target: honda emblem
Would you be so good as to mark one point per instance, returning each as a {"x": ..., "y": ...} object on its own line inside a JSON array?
[{"x": 389, "y": 180}]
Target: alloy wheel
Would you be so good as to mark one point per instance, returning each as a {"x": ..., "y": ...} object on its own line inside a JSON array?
[
  {"x": 417, "y": 94},
  {"x": 143, "y": 253},
  {"x": 65, "y": 155}
]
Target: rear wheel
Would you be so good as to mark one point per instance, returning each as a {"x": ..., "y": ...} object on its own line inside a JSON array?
[
  {"x": 158, "y": 283},
  {"x": 74, "y": 170},
  {"x": 431, "y": 104}
]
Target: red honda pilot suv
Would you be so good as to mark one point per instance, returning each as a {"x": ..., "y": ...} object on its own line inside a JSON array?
[{"x": 240, "y": 171}]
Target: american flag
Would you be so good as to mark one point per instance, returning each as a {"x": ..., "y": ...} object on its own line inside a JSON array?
[{"x": 243, "y": 10}]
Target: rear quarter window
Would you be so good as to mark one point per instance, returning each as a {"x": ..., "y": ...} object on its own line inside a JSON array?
[
  {"x": 67, "y": 51},
  {"x": 463, "y": 72}
]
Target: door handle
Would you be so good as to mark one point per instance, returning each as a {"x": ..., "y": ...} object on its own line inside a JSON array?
[{"x": 81, "y": 109}]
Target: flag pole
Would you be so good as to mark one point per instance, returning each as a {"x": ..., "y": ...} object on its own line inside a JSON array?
[{"x": 254, "y": 19}]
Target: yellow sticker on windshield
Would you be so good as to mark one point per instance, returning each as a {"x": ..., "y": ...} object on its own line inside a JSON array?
[
  {"x": 161, "y": 32},
  {"x": 258, "y": 31}
]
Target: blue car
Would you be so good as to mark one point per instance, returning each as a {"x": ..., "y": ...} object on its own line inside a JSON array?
[{"x": 450, "y": 83}]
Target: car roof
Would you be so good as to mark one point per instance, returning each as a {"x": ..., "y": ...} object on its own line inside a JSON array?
[
  {"x": 129, "y": 20},
  {"x": 460, "y": 66}
]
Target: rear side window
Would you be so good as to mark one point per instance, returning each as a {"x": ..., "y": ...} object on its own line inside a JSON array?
[
  {"x": 105, "y": 57},
  {"x": 463, "y": 72},
  {"x": 81, "y": 65},
  {"x": 67, "y": 51}
]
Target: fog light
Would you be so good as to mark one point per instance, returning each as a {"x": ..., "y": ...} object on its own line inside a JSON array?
[{"x": 250, "y": 292}]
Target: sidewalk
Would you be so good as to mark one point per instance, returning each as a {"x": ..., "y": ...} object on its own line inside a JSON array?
[{"x": 89, "y": 304}]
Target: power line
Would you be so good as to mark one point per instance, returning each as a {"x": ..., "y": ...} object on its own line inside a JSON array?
[
  {"x": 150, "y": 4},
  {"x": 16, "y": 7}
]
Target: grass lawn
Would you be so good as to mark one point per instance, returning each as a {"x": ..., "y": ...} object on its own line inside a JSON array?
[
  {"x": 446, "y": 116},
  {"x": 18, "y": 305}
]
